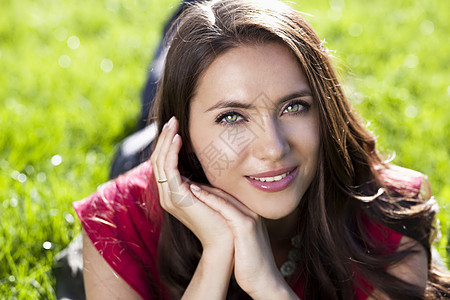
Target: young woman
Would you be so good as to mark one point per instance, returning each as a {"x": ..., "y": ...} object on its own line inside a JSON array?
[{"x": 263, "y": 183}]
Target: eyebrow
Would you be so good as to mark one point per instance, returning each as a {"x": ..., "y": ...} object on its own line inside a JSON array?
[{"x": 238, "y": 104}]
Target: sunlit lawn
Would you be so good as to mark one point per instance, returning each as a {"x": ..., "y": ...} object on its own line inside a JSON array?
[{"x": 70, "y": 81}]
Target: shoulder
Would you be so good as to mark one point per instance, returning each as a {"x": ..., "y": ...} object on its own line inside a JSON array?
[
  {"x": 412, "y": 269},
  {"x": 122, "y": 220},
  {"x": 131, "y": 195},
  {"x": 405, "y": 182},
  {"x": 100, "y": 280},
  {"x": 414, "y": 207}
]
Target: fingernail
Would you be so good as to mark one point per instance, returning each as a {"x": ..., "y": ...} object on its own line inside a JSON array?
[
  {"x": 173, "y": 140},
  {"x": 171, "y": 121},
  {"x": 194, "y": 188}
]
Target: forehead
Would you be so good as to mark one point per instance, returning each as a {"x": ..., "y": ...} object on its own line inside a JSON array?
[{"x": 245, "y": 72}]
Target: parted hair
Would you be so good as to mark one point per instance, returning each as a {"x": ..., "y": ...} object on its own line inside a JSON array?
[{"x": 350, "y": 183}]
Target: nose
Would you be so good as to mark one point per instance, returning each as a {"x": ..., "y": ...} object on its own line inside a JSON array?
[{"x": 272, "y": 143}]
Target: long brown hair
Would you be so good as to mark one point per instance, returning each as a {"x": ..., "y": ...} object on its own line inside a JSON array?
[{"x": 348, "y": 175}]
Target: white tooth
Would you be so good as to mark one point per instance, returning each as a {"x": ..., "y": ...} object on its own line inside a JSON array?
[{"x": 271, "y": 179}]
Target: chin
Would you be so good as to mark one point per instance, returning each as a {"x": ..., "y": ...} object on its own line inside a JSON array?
[{"x": 275, "y": 213}]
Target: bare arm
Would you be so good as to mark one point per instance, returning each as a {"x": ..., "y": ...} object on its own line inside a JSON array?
[
  {"x": 212, "y": 276},
  {"x": 412, "y": 269},
  {"x": 100, "y": 280}
]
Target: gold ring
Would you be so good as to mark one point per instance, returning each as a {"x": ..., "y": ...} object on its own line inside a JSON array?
[{"x": 162, "y": 180}]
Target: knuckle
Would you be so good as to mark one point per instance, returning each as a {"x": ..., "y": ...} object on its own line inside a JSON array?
[
  {"x": 163, "y": 205},
  {"x": 205, "y": 193},
  {"x": 185, "y": 200},
  {"x": 168, "y": 206}
]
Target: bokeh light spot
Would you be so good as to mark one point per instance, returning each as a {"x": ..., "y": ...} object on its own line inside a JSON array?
[
  {"x": 355, "y": 29},
  {"x": 47, "y": 245},
  {"x": 56, "y": 160},
  {"x": 69, "y": 218},
  {"x": 34, "y": 194},
  {"x": 427, "y": 27},
  {"x": 335, "y": 14},
  {"x": 112, "y": 5},
  {"x": 411, "y": 111},
  {"x": 91, "y": 157},
  {"x": 13, "y": 202},
  {"x": 64, "y": 61},
  {"x": 106, "y": 65},
  {"x": 411, "y": 61},
  {"x": 41, "y": 177},
  {"x": 29, "y": 169},
  {"x": 22, "y": 178},
  {"x": 73, "y": 42}
]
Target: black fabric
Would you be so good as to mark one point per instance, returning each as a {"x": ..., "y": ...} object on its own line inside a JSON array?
[
  {"x": 156, "y": 69},
  {"x": 68, "y": 270}
]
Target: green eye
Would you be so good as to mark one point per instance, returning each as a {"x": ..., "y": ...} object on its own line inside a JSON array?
[
  {"x": 231, "y": 118},
  {"x": 295, "y": 107}
]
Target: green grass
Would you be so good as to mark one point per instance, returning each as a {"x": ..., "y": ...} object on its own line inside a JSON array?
[{"x": 57, "y": 102}]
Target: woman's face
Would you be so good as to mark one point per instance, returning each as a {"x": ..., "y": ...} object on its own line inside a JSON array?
[{"x": 254, "y": 127}]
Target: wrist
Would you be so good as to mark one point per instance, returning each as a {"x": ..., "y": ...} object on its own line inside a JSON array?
[
  {"x": 216, "y": 251},
  {"x": 212, "y": 276},
  {"x": 276, "y": 289},
  {"x": 218, "y": 258}
]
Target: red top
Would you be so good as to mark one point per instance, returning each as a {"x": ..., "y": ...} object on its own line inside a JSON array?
[{"x": 123, "y": 220}]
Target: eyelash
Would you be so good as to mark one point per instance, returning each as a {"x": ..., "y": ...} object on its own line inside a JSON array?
[
  {"x": 305, "y": 106},
  {"x": 221, "y": 118}
]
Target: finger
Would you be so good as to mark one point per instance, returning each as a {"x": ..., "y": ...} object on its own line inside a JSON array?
[
  {"x": 155, "y": 157},
  {"x": 164, "y": 144},
  {"x": 180, "y": 193},
  {"x": 236, "y": 219},
  {"x": 169, "y": 133},
  {"x": 158, "y": 159},
  {"x": 221, "y": 193}
]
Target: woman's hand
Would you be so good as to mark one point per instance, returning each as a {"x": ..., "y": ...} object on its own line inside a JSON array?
[
  {"x": 176, "y": 198},
  {"x": 254, "y": 265},
  {"x": 212, "y": 275}
]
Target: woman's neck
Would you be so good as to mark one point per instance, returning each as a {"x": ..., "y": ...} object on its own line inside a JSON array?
[
  {"x": 282, "y": 229},
  {"x": 280, "y": 233}
]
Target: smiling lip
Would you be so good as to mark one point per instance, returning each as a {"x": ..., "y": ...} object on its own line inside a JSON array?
[{"x": 273, "y": 181}]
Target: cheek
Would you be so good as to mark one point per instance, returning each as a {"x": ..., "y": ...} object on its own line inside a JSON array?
[
  {"x": 219, "y": 149},
  {"x": 306, "y": 140}
]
